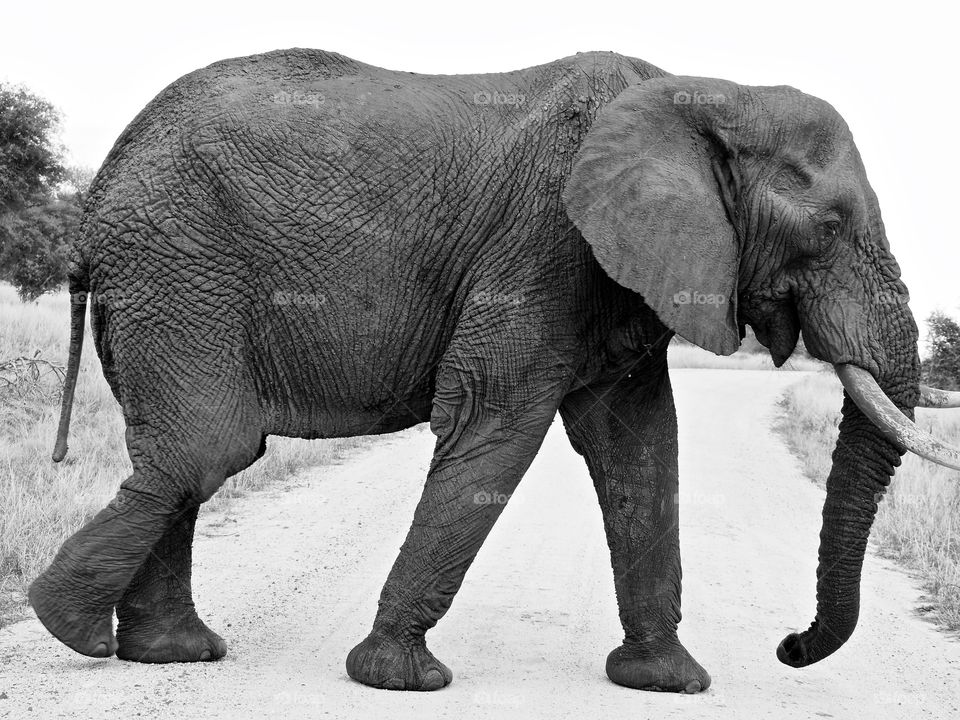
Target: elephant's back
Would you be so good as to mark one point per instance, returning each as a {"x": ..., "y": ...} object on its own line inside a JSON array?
[
  {"x": 322, "y": 93},
  {"x": 309, "y": 154}
]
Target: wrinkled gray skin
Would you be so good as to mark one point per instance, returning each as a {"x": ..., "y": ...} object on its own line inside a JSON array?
[{"x": 376, "y": 249}]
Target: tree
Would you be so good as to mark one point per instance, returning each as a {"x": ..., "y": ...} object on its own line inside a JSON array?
[
  {"x": 942, "y": 368},
  {"x": 30, "y": 158},
  {"x": 40, "y": 198},
  {"x": 79, "y": 178}
]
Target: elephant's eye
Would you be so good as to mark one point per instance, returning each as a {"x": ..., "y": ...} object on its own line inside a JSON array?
[{"x": 830, "y": 230}]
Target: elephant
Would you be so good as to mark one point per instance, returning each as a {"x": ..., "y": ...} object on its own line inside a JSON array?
[{"x": 300, "y": 244}]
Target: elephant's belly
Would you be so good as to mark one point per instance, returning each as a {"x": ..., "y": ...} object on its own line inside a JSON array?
[
  {"x": 339, "y": 368},
  {"x": 347, "y": 422},
  {"x": 316, "y": 399}
]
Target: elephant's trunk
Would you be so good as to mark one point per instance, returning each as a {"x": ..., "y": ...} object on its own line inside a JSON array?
[{"x": 863, "y": 463}]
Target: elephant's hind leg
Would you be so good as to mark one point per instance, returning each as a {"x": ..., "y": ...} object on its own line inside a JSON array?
[
  {"x": 156, "y": 618},
  {"x": 627, "y": 432},
  {"x": 74, "y": 597},
  {"x": 134, "y": 555}
]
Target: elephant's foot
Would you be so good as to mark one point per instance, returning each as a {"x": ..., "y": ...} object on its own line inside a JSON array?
[
  {"x": 181, "y": 639},
  {"x": 79, "y": 625},
  {"x": 668, "y": 668},
  {"x": 382, "y": 662}
]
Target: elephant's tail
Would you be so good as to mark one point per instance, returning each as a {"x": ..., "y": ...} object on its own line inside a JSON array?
[{"x": 78, "y": 310}]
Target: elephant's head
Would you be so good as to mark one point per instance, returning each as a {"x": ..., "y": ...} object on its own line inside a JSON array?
[{"x": 725, "y": 205}]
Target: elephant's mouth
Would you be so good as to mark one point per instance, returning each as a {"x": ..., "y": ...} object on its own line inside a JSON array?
[
  {"x": 864, "y": 390},
  {"x": 777, "y": 330}
]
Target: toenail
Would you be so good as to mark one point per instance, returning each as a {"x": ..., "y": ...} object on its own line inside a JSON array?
[
  {"x": 100, "y": 651},
  {"x": 205, "y": 655},
  {"x": 692, "y": 687},
  {"x": 433, "y": 680}
]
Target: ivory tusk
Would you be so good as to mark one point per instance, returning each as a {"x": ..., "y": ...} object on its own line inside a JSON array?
[
  {"x": 931, "y": 397},
  {"x": 873, "y": 402}
]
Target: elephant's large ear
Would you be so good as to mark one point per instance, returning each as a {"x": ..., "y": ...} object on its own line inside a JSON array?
[{"x": 646, "y": 191}]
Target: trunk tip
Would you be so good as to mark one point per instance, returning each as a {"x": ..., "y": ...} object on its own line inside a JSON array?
[{"x": 792, "y": 651}]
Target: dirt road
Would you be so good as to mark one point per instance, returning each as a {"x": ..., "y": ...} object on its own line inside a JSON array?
[{"x": 290, "y": 578}]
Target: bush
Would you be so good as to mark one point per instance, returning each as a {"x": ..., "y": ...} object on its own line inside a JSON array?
[{"x": 35, "y": 246}]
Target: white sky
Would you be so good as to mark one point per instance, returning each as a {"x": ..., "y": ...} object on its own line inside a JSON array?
[{"x": 890, "y": 69}]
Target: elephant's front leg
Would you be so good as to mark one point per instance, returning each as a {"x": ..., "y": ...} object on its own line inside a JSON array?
[
  {"x": 488, "y": 432},
  {"x": 627, "y": 432}
]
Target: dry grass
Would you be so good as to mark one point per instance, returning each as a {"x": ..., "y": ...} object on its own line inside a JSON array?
[
  {"x": 42, "y": 503},
  {"x": 918, "y": 522},
  {"x": 683, "y": 355}
]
